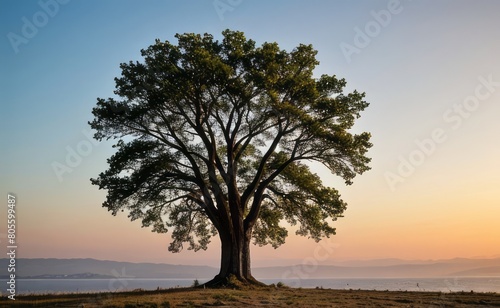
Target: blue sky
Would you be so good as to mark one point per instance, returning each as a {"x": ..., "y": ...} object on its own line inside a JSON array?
[{"x": 417, "y": 65}]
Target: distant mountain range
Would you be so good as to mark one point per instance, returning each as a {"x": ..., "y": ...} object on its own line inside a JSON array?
[
  {"x": 56, "y": 268},
  {"x": 383, "y": 268}
]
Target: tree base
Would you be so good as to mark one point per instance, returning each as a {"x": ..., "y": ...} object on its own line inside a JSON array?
[{"x": 233, "y": 282}]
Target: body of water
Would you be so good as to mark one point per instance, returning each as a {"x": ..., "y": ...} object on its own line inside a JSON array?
[{"x": 453, "y": 284}]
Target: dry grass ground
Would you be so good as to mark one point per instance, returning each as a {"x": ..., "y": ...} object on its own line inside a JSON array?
[{"x": 258, "y": 297}]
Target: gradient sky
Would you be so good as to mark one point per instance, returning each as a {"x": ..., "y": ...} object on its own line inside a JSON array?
[{"x": 430, "y": 70}]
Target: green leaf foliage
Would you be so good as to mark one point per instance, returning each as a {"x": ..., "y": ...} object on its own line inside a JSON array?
[{"x": 214, "y": 136}]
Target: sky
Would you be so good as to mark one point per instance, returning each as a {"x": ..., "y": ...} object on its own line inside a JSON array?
[{"x": 430, "y": 71}]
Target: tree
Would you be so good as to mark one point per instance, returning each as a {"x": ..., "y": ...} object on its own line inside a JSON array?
[{"x": 213, "y": 139}]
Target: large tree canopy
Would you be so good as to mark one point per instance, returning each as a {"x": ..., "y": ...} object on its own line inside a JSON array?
[{"x": 214, "y": 136}]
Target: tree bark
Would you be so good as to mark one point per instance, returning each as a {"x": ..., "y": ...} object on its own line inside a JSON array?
[{"x": 235, "y": 264}]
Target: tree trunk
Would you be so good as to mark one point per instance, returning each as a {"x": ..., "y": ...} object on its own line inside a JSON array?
[
  {"x": 247, "y": 269},
  {"x": 235, "y": 260}
]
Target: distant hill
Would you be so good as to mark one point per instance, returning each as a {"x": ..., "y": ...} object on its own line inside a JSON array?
[
  {"x": 386, "y": 268},
  {"x": 39, "y": 267},
  {"x": 483, "y": 271},
  {"x": 426, "y": 270}
]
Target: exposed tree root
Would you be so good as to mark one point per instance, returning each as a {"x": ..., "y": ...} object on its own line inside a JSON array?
[{"x": 232, "y": 282}]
